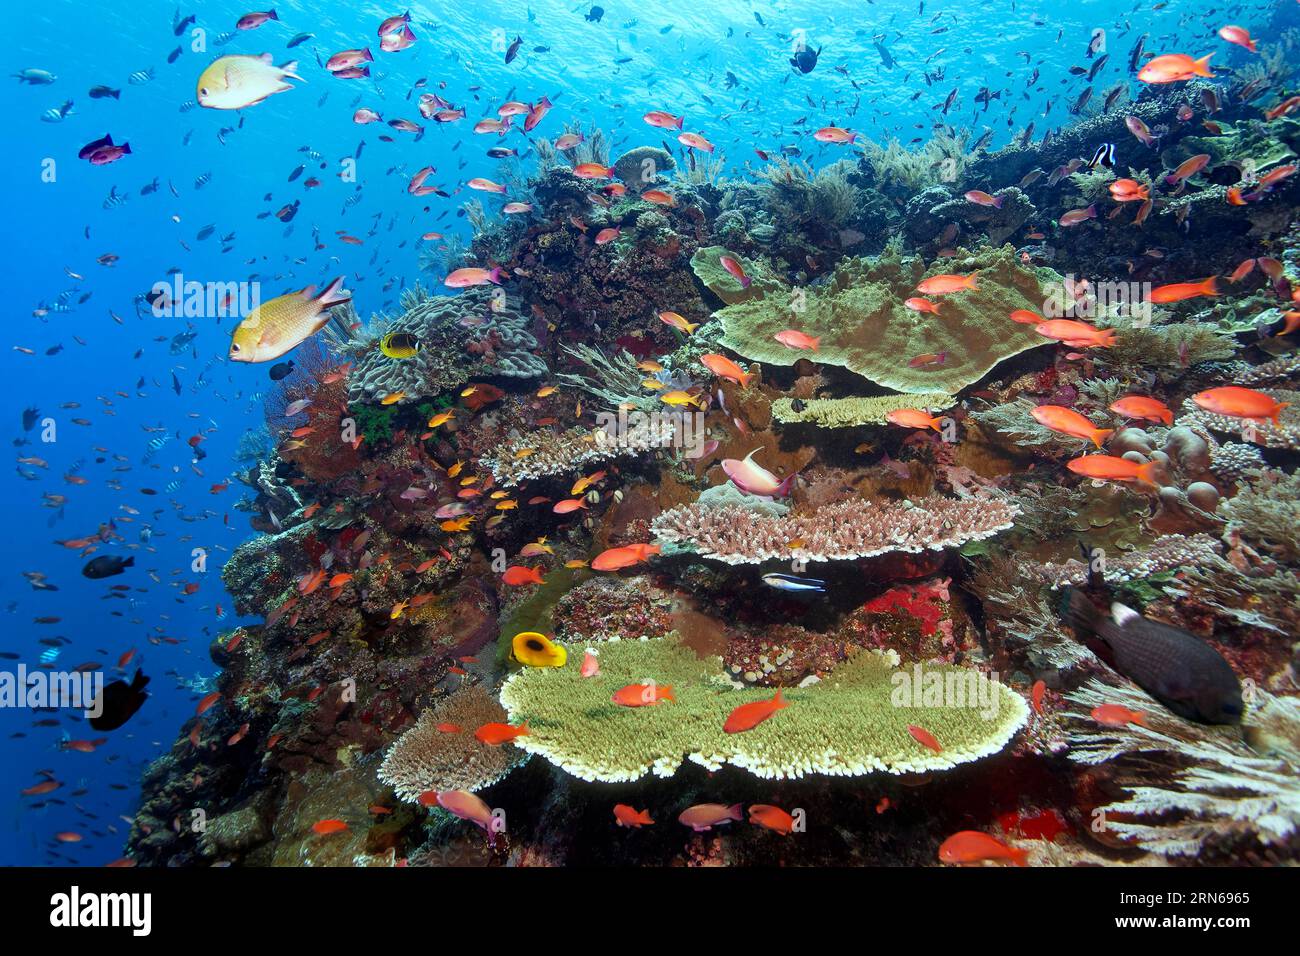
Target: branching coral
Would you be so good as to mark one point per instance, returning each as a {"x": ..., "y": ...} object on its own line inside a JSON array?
[
  {"x": 1266, "y": 512},
  {"x": 426, "y": 758},
  {"x": 864, "y": 326},
  {"x": 842, "y": 531},
  {"x": 1191, "y": 786},
  {"x": 853, "y": 722}
]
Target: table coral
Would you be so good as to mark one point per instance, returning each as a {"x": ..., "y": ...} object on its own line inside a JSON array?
[
  {"x": 858, "y": 314},
  {"x": 842, "y": 531},
  {"x": 853, "y": 722}
]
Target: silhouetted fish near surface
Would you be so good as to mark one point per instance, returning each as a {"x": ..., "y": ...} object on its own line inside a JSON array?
[
  {"x": 119, "y": 702},
  {"x": 1177, "y": 668}
]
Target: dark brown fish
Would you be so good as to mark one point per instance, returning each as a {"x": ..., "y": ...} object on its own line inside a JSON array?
[{"x": 1177, "y": 668}]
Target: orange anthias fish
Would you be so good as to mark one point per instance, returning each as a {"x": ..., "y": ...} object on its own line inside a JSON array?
[
  {"x": 1129, "y": 190},
  {"x": 724, "y": 367},
  {"x": 1179, "y": 291},
  {"x": 517, "y": 574},
  {"x": 913, "y": 418},
  {"x": 972, "y": 846},
  {"x": 626, "y": 816},
  {"x": 1173, "y": 67},
  {"x": 1025, "y": 317},
  {"x": 495, "y": 734},
  {"x": 924, "y": 738},
  {"x": 643, "y": 695},
  {"x": 329, "y": 826},
  {"x": 1113, "y": 715},
  {"x": 748, "y": 716},
  {"x": 797, "y": 340},
  {"x": 624, "y": 557},
  {"x": 1143, "y": 407},
  {"x": 1069, "y": 422},
  {"x": 1036, "y": 695},
  {"x": 1110, "y": 468},
  {"x": 771, "y": 818},
  {"x": 944, "y": 284},
  {"x": 1076, "y": 334},
  {"x": 1237, "y": 402}
]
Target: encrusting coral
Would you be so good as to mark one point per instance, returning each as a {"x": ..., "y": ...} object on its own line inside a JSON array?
[
  {"x": 852, "y": 722},
  {"x": 863, "y": 325},
  {"x": 841, "y": 531}
]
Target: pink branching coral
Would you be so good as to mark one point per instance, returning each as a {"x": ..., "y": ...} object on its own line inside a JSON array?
[{"x": 838, "y": 532}]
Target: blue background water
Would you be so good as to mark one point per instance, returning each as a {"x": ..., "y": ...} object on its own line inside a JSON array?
[{"x": 681, "y": 69}]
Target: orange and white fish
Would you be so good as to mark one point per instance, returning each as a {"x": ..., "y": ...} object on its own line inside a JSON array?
[
  {"x": 918, "y": 304},
  {"x": 1239, "y": 36}
]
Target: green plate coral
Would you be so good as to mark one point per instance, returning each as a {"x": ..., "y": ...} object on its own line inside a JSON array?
[
  {"x": 858, "y": 314},
  {"x": 849, "y": 724}
]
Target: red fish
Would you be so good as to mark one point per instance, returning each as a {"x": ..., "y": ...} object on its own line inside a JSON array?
[
  {"x": 924, "y": 738},
  {"x": 972, "y": 846},
  {"x": 748, "y": 716},
  {"x": 517, "y": 574},
  {"x": 626, "y": 816}
]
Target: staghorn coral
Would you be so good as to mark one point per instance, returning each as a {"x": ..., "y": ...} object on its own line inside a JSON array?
[
  {"x": 1192, "y": 787},
  {"x": 855, "y": 410},
  {"x": 852, "y": 722},
  {"x": 842, "y": 531},
  {"x": 859, "y": 315},
  {"x": 425, "y": 758}
]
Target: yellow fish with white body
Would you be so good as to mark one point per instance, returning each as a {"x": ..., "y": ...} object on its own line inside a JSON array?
[
  {"x": 237, "y": 81},
  {"x": 284, "y": 323}
]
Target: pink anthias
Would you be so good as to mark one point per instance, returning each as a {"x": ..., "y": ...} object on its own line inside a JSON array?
[{"x": 754, "y": 479}]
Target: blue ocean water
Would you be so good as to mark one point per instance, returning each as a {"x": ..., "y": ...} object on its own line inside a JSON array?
[{"x": 720, "y": 63}]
